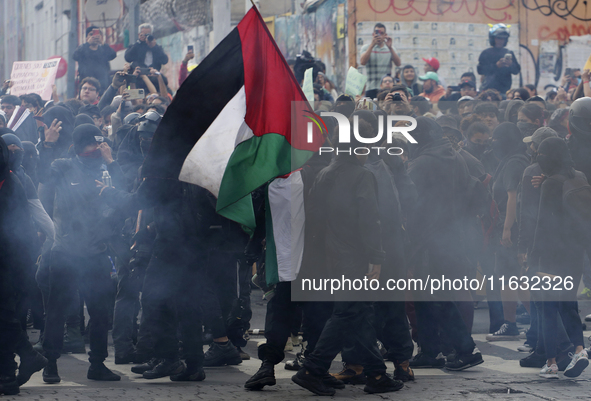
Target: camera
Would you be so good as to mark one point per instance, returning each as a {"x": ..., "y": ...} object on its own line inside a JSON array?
[
  {"x": 150, "y": 38},
  {"x": 396, "y": 97}
]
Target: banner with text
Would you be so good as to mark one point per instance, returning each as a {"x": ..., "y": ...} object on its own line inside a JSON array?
[{"x": 33, "y": 77}]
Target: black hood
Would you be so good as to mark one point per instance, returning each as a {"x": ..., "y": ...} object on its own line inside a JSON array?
[
  {"x": 554, "y": 157},
  {"x": 426, "y": 132},
  {"x": 64, "y": 114},
  {"x": 4, "y": 169},
  {"x": 507, "y": 141}
]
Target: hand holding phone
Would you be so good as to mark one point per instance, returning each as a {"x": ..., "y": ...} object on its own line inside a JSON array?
[{"x": 135, "y": 94}]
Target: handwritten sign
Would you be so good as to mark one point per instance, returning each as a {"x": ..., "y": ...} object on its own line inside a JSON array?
[
  {"x": 34, "y": 77},
  {"x": 308, "y": 86},
  {"x": 355, "y": 82}
]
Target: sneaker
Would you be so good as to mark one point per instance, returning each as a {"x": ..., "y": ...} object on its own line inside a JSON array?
[
  {"x": 525, "y": 348},
  {"x": 578, "y": 363},
  {"x": 167, "y": 367},
  {"x": 384, "y": 384},
  {"x": 295, "y": 364},
  {"x": 351, "y": 374},
  {"x": 585, "y": 294},
  {"x": 8, "y": 385},
  {"x": 222, "y": 354},
  {"x": 507, "y": 332},
  {"x": 196, "y": 374},
  {"x": 403, "y": 372},
  {"x": 265, "y": 376},
  {"x": 533, "y": 360},
  {"x": 588, "y": 318},
  {"x": 288, "y": 345},
  {"x": 296, "y": 340},
  {"x": 464, "y": 361},
  {"x": 243, "y": 355},
  {"x": 564, "y": 357},
  {"x": 333, "y": 382},
  {"x": 144, "y": 367},
  {"x": 422, "y": 360},
  {"x": 50, "y": 374},
  {"x": 312, "y": 383},
  {"x": 549, "y": 372},
  {"x": 98, "y": 371}
]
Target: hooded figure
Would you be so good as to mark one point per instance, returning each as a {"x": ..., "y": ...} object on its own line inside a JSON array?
[
  {"x": 414, "y": 85},
  {"x": 62, "y": 113},
  {"x": 82, "y": 119},
  {"x": 436, "y": 234},
  {"x": 31, "y": 161},
  {"x": 558, "y": 247},
  {"x": 512, "y": 110}
]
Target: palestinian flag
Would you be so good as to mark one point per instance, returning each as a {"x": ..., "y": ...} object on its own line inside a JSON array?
[{"x": 239, "y": 120}]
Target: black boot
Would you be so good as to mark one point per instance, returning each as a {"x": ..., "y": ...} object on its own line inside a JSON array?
[
  {"x": 50, "y": 374},
  {"x": 144, "y": 367},
  {"x": 222, "y": 354},
  {"x": 265, "y": 376},
  {"x": 8, "y": 385},
  {"x": 312, "y": 383},
  {"x": 98, "y": 371},
  {"x": 31, "y": 362},
  {"x": 167, "y": 367},
  {"x": 193, "y": 373},
  {"x": 382, "y": 385}
]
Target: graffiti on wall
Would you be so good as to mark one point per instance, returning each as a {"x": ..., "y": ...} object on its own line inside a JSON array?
[
  {"x": 562, "y": 8},
  {"x": 563, "y": 33},
  {"x": 497, "y": 11}
]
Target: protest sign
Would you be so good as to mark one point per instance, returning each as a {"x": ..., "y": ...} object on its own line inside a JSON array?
[
  {"x": 355, "y": 82},
  {"x": 33, "y": 77}
]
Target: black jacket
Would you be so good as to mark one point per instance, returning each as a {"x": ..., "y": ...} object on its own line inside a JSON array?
[
  {"x": 528, "y": 208},
  {"x": 495, "y": 77},
  {"x": 344, "y": 205},
  {"x": 136, "y": 55},
  {"x": 95, "y": 63},
  {"x": 80, "y": 216}
]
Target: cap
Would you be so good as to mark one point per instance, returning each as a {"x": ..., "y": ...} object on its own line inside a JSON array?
[
  {"x": 465, "y": 99},
  {"x": 539, "y": 135},
  {"x": 433, "y": 62},
  {"x": 430, "y": 75},
  {"x": 84, "y": 135},
  {"x": 467, "y": 83}
]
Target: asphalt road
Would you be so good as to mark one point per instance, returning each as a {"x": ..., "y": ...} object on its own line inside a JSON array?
[{"x": 499, "y": 378}]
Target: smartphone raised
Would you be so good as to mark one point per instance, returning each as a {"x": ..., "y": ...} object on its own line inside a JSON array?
[
  {"x": 190, "y": 48},
  {"x": 96, "y": 32},
  {"x": 130, "y": 78},
  {"x": 135, "y": 94},
  {"x": 144, "y": 71}
]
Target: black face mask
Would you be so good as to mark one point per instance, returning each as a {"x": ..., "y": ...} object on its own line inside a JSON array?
[
  {"x": 15, "y": 159},
  {"x": 476, "y": 149},
  {"x": 527, "y": 129},
  {"x": 549, "y": 166}
]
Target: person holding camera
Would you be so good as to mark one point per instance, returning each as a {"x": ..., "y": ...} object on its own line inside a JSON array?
[
  {"x": 497, "y": 63},
  {"x": 145, "y": 52},
  {"x": 93, "y": 57},
  {"x": 378, "y": 56}
]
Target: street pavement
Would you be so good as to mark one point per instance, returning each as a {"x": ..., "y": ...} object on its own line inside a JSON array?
[{"x": 499, "y": 378}]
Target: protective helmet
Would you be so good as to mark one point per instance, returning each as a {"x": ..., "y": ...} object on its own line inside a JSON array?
[
  {"x": 579, "y": 118},
  {"x": 498, "y": 31},
  {"x": 148, "y": 123},
  {"x": 131, "y": 118}
]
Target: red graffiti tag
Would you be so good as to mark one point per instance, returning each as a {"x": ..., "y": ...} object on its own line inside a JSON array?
[
  {"x": 441, "y": 7},
  {"x": 563, "y": 33}
]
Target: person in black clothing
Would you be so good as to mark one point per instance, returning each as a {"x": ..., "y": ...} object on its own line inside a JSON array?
[
  {"x": 93, "y": 57},
  {"x": 435, "y": 230},
  {"x": 558, "y": 250},
  {"x": 78, "y": 259},
  {"x": 146, "y": 52},
  {"x": 498, "y": 63},
  {"x": 16, "y": 235},
  {"x": 508, "y": 147}
]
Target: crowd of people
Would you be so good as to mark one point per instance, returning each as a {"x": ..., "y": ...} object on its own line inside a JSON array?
[{"x": 495, "y": 185}]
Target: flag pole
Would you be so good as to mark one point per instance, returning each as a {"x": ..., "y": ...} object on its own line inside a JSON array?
[{"x": 252, "y": 2}]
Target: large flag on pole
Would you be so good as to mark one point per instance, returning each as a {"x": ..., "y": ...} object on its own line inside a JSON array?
[{"x": 238, "y": 121}]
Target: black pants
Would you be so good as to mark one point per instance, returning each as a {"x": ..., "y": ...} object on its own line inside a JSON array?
[
  {"x": 433, "y": 316},
  {"x": 91, "y": 277},
  {"x": 11, "y": 332},
  {"x": 171, "y": 298},
  {"x": 226, "y": 309},
  {"x": 127, "y": 302},
  {"x": 569, "y": 314},
  {"x": 393, "y": 330},
  {"x": 349, "y": 325},
  {"x": 279, "y": 323}
]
